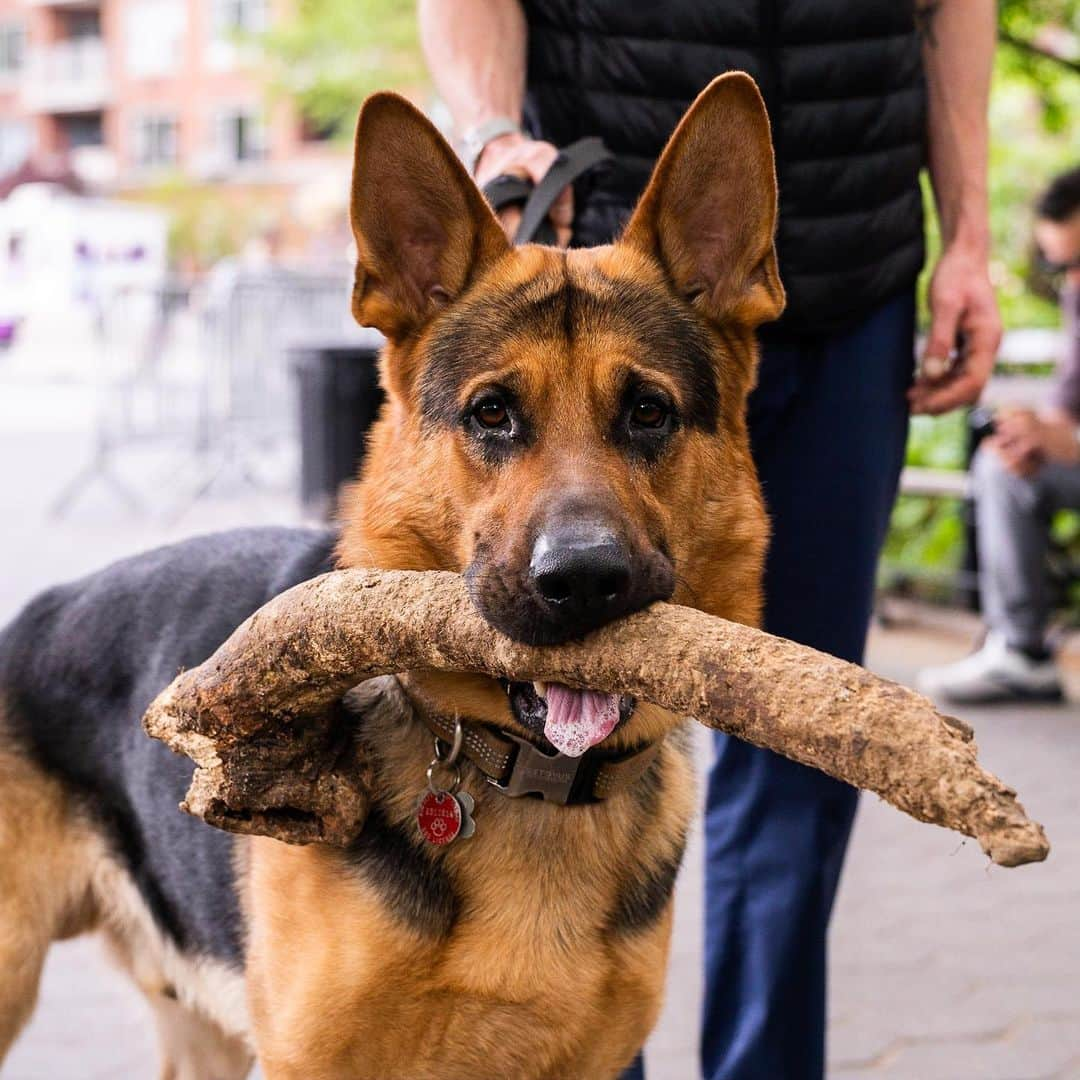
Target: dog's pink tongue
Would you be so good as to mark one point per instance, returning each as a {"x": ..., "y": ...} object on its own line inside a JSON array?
[{"x": 578, "y": 719}]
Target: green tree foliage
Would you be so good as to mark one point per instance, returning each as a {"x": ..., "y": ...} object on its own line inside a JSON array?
[
  {"x": 1041, "y": 41},
  {"x": 330, "y": 55},
  {"x": 1035, "y": 134}
]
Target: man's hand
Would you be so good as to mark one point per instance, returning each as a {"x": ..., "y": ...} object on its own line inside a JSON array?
[
  {"x": 961, "y": 302},
  {"x": 1025, "y": 441},
  {"x": 518, "y": 155},
  {"x": 958, "y": 55}
]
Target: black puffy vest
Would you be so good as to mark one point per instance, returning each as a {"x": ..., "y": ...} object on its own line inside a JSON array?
[{"x": 843, "y": 82}]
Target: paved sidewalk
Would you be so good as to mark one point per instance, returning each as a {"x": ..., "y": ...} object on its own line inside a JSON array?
[{"x": 943, "y": 966}]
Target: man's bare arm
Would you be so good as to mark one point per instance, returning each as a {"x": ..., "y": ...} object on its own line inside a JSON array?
[
  {"x": 958, "y": 51},
  {"x": 475, "y": 50}
]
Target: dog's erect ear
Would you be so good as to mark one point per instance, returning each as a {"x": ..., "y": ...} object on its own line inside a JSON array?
[
  {"x": 709, "y": 212},
  {"x": 422, "y": 228}
]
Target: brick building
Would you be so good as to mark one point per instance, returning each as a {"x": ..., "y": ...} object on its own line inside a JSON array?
[{"x": 125, "y": 91}]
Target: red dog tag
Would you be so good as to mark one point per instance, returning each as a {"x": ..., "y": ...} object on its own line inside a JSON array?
[{"x": 439, "y": 817}]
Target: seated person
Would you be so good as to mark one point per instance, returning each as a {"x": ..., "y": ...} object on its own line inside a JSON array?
[{"x": 1029, "y": 468}]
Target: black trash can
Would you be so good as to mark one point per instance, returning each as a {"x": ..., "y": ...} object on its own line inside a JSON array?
[{"x": 339, "y": 397}]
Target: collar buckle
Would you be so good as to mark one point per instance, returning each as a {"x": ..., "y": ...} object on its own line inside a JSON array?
[{"x": 553, "y": 777}]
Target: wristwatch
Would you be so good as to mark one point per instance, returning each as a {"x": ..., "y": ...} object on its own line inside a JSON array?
[{"x": 476, "y": 138}]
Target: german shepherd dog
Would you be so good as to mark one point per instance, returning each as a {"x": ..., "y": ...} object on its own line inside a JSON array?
[{"x": 566, "y": 429}]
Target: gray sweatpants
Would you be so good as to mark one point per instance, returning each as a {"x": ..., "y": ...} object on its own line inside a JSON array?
[{"x": 1013, "y": 516}]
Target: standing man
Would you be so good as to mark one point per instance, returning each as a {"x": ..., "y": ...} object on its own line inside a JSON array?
[
  {"x": 856, "y": 93},
  {"x": 1026, "y": 471}
]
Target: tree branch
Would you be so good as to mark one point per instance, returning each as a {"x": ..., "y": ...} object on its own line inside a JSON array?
[
  {"x": 1031, "y": 49},
  {"x": 281, "y": 675}
]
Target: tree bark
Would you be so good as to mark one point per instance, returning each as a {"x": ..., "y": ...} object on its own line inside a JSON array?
[{"x": 262, "y": 718}]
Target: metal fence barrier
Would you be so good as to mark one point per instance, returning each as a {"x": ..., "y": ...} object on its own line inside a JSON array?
[{"x": 200, "y": 374}]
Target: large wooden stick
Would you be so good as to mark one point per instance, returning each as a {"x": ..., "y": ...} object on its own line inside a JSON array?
[{"x": 293, "y": 660}]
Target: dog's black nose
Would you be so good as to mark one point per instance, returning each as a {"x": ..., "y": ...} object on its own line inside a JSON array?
[{"x": 581, "y": 571}]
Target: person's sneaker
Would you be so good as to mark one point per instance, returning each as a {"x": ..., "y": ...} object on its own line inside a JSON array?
[{"x": 995, "y": 672}]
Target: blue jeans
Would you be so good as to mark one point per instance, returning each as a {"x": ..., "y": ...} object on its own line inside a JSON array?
[{"x": 828, "y": 426}]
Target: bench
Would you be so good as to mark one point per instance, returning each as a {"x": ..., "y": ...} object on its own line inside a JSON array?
[
  {"x": 1020, "y": 350},
  {"x": 934, "y": 483}
]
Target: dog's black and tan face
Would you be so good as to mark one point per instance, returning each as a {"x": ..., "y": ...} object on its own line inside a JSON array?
[
  {"x": 569, "y": 395},
  {"x": 566, "y": 428}
]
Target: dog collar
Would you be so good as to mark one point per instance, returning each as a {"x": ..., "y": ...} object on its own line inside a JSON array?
[{"x": 516, "y": 766}]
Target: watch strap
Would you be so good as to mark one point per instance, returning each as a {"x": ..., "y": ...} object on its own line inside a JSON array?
[{"x": 474, "y": 139}]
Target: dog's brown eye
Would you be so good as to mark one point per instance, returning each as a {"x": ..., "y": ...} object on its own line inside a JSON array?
[
  {"x": 491, "y": 412},
  {"x": 649, "y": 413}
]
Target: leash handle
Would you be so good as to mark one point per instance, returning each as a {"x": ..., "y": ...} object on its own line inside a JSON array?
[
  {"x": 509, "y": 190},
  {"x": 505, "y": 190},
  {"x": 572, "y": 162}
]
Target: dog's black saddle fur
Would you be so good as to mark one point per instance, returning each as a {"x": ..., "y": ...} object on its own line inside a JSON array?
[{"x": 81, "y": 663}]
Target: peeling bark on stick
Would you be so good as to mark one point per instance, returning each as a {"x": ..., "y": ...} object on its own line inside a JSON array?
[{"x": 279, "y": 677}]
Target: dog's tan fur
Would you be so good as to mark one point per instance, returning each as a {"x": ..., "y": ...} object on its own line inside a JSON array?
[
  {"x": 58, "y": 880},
  {"x": 537, "y": 978},
  {"x": 529, "y": 983}
]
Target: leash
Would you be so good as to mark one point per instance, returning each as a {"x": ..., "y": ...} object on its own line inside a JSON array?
[{"x": 571, "y": 163}]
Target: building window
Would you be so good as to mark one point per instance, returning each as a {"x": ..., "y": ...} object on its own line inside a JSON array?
[
  {"x": 80, "y": 24},
  {"x": 154, "y": 32},
  {"x": 241, "y": 136},
  {"x": 81, "y": 129},
  {"x": 230, "y": 22},
  {"x": 228, "y": 18},
  {"x": 15, "y": 144},
  {"x": 12, "y": 48},
  {"x": 156, "y": 141}
]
